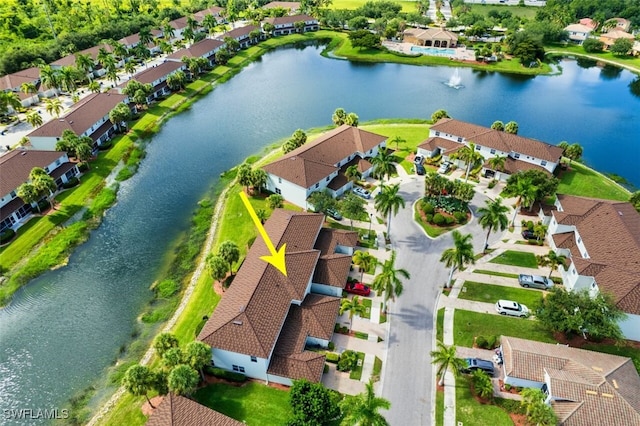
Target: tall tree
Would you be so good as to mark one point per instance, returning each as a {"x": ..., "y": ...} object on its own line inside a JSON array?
[
  {"x": 471, "y": 157},
  {"x": 197, "y": 355},
  {"x": 574, "y": 152},
  {"x": 29, "y": 194},
  {"x": 84, "y": 64},
  {"x": 364, "y": 409},
  {"x": 526, "y": 192},
  {"x": 217, "y": 267},
  {"x": 53, "y": 106},
  {"x": 120, "y": 114},
  {"x": 497, "y": 163},
  {"x": 339, "y": 116},
  {"x": 312, "y": 403},
  {"x": 230, "y": 252},
  {"x": 352, "y": 119},
  {"x": 493, "y": 216},
  {"x": 34, "y": 119},
  {"x": 353, "y": 306},
  {"x": 498, "y": 125},
  {"x": 163, "y": 342},
  {"x": 244, "y": 175},
  {"x": 172, "y": 358},
  {"x": 552, "y": 260},
  {"x": 482, "y": 384},
  {"x": 183, "y": 380},
  {"x": 439, "y": 115},
  {"x": 138, "y": 380},
  {"x": 49, "y": 77},
  {"x": 387, "y": 202},
  {"x": 383, "y": 164},
  {"x": 352, "y": 173},
  {"x": 258, "y": 179},
  {"x": 459, "y": 255},
  {"x": 511, "y": 127},
  {"x": 364, "y": 260},
  {"x": 28, "y": 88},
  {"x": 389, "y": 280},
  {"x": 42, "y": 182},
  {"x": 446, "y": 359},
  {"x": 398, "y": 140},
  {"x": 352, "y": 207},
  {"x": 9, "y": 100}
]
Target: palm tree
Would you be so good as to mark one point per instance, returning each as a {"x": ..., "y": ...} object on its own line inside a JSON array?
[
  {"x": 49, "y": 77},
  {"x": 118, "y": 49},
  {"x": 94, "y": 87},
  {"x": 459, "y": 255},
  {"x": 511, "y": 127},
  {"x": 383, "y": 164},
  {"x": 388, "y": 280},
  {"x": 9, "y": 99},
  {"x": 497, "y": 162},
  {"x": 130, "y": 68},
  {"x": 552, "y": 260},
  {"x": 445, "y": 358},
  {"x": 353, "y": 306},
  {"x": 338, "y": 117},
  {"x": 138, "y": 380},
  {"x": 28, "y": 88},
  {"x": 526, "y": 192},
  {"x": 388, "y": 201},
  {"x": 34, "y": 119},
  {"x": 493, "y": 216},
  {"x": 230, "y": 252},
  {"x": 471, "y": 156},
  {"x": 209, "y": 23},
  {"x": 530, "y": 397},
  {"x": 364, "y": 261},
  {"x": 362, "y": 409},
  {"x": 68, "y": 78},
  {"x": 482, "y": 384},
  {"x": 167, "y": 31},
  {"x": 29, "y": 194},
  {"x": 84, "y": 63},
  {"x": 398, "y": 140},
  {"x": 352, "y": 173},
  {"x": 574, "y": 152},
  {"x": 53, "y": 106},
  {"x": 498, "y": 125},
  {"x": 259, "y": 179},
  {"x": 145, "y": 36}
]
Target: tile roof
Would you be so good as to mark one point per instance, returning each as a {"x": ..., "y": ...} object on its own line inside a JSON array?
[
  {"x": 610, "y": 232},
  {"x": 82, "y": 117},
  {"x": 333, "y": 270},
  {"x": 579, "y": 28},
  {"x": 242, "y": 32},
  {"x": 156, "y": 72},
  {"x": 290, "y": 19},
  {"x": 17, "y": 164},
  {"x": 213, "y": 10},
  {"x": 251, "y": 313},
  {"x": 295, "y": 5},
  {"x": 496, "y": 139},
  {"x": 328, "y": 240},
  {"x": 197, "y": 49},
  {"x": 15, "y": 80},
  {"x": 437, "y": 142},
  {"x": 315, "y": 160},
  {"x": 597, "y": 388},
  {"x": 70, "y": 60},
  {"x": 177, "y": 410},
  {"x": 431, "y": 33},
  {"x": 512, "y": 165}
]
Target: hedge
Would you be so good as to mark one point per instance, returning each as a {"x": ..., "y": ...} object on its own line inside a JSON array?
[{"x": 224, "y": 374}]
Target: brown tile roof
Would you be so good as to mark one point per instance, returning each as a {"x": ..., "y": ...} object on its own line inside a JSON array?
[
  {"x": 438, "y": 142},
  {"x": 213, "y": 10},
  {"x": 242, "y": 32},
  {"x": 134, "y": 39},
  {"x": 84, "y": 114},
  {"x": 179, "y": 23},
  {"x": 177, "y": 410},
  {"x": 512, "y": 165},
  {"x": 566, "y": 240},
  {"x": 328, "y": 240},
  {"x": 15, "y": 80},
  {"x": 70, "y": 60},
  {"x": 496, "y": 139},
  {"x": 8, "y": 209},
  {"x": 154, "y": 73},
  {"x": 315, "y": 160},
  {"x": 315, "y": 317},
  {"x": 333, "y": 270},
  {"x": 17, "y": 164},
  {"x": 249, "y": 317},
  {"x": 290, "y": 19},
  {"x": 602, "y": 388},
  {"x": 431, "y": 33},
  {"x": 198, "y": 49},
  {"x": 295, "y": 5}
]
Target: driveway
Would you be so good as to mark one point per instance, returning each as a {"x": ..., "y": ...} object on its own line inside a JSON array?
[{"x": 408, "y": 375}]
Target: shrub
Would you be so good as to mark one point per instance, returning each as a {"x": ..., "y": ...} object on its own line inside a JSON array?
[
  {"x": 492, "y": 183},
  {"x": 201, "y": 325},
  {"x": 428, "y": 208},
  {"x": 332, "y": 357},
  {"x": 438, "y": 219},
  {"x": 7, "y": 235},
  {"x": 43, "y": 205},
  {"x": 71, "y": 183},
  {"x": 481, "y": 342},
  {"x": 507, "y": 387},
  {"x": 491, "y": 342},
  {"x": 224, "y": 374},
  {"x": 325, "y": 370},
  {"x": 167, "y": 288},
  {"x": 83, "y": 167},
  {"x": 105, "y": 145},
  {"x": 460, "y": 217},
  {"x": 347, "y": 361},
  {"x": 331, "y": 346},
  {"x": 429, "y": 218},
  {"x": 449, "y": 220},
  {"x": 530, "y": 225}
]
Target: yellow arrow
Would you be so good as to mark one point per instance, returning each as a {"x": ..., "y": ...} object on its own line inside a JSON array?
[{"x": 277, "y": 257}]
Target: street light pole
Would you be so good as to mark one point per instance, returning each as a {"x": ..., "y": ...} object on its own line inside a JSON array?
[{"x": 370, "y": 220}]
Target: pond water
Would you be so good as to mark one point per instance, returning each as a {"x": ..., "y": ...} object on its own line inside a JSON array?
[{"x": 65, "y": 327}]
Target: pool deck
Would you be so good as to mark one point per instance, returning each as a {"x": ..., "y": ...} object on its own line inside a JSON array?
[{"x": 460, "y": 53}]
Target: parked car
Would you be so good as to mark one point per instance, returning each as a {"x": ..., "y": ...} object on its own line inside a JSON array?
[
  {"x": 535, "y": 281},
  {"x": 334, "y": 214},
  {"x": 420, "y": 170},
  {"x": 357, "y": 288},
  {"x": 478, "y": 364},
  {"x": 509, "y": 307},
  {"x": 361, "y": 192},
  {"x": 528, "y": 235},
  {"x": 418, "y": 159},
  {"x": 444, "y": 167}
]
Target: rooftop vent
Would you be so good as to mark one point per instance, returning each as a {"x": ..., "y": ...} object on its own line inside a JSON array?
[
  {"x": 607, "y": 395},
  {"x": 615, "y": 384},
  {"x": 70, "y": 121},
  {"x": 590, "y": 392},
  {"x": 237, "y": 322},
  {"x": 619, "y": 212},
  {"x": 597, "y": 369}
]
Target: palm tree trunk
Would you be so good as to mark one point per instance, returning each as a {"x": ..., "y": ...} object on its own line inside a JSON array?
[
  {"x": 450, "y": 277},
  {"x": 148, "y": 400},
  {"x": 515, "y": 213},
  {"x": 441, "y": 382},
  {"x": 486, "y": 241},
  {"x": 389, "y": 226},
  {"x": 466, "y": 178}
]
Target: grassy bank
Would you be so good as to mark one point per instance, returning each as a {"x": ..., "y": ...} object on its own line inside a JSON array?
[
  {"x": 632, "y": 63},
  {"x": 586, "y": 182}
]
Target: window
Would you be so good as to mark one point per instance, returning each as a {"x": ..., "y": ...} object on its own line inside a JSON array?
[
  {"x": 516, "y": 155},
  {"x": 254, "y": 359},
  {"x": 317, "y": 184},
  {"x": 327, "y": 179},
  {"x": 459, "y": 139},
  {"x": 437, "y": 133},
  {"x": 278, "y": 191},
  {"x": 279, "y": 180},
  {"x": 13, "y": 194},
  {"x": 493, "y": 151},
  {"x": 579, "y": 240},
  {"x": 238, "y": 368},
  {"x": 543, "y": 163},
  {"x": 478, "y": 147}
]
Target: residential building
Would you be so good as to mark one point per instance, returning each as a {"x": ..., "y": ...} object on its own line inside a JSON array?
[
  {"x": 430, "y": 37},
  {"x": 98, "y": 70},
  {"x": 157, "y": 76},
  {"x": 589, "y": 23},
  {"x": 449, "y": 135},
  {"x": 216, "y": 11},
  {"x": 16, "y": 166},
  {"x": 322, "y": 164},
  {"x": 578, "y": 33},
  {"x": 133, "y": 40},
  {"x": 13, "y": 83},
  {"x": 287, "y": 24},
  {"x": 291, "y": 6},
  {"x": 242, "y": 35},
  {"x": 601, "y": 239},
  {"x": 205, "y": 48},
  {"x": 89, "y": 117},
  {"x": 609, "y": 38},
  {"x": 175, "y": 410},
  {"x": 265, "y": 321},
  {"x": 621, "y": 24},
  {"x": 583, "y": 387}
]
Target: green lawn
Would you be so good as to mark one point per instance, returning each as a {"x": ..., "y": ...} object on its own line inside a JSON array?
[
  {"x": 522, "y": 11},
  {"x": 431, "y": 230},
  {"x": 492, "y": 293},
  {"x": 516, "y": 258},
  {"x": 252, "y": 403},
  {"x": 586, "y": 182},
  {"x": 407, "y": 6},
  {"x": 495, "y": 273},
  {"x": 468, "y": 324},
  {"x": 439, "y": 408},
  {"x": 569, "y": 49},
  {"x": 440, "y": 325},
  {"x": 356, "y": 373},
  {"x": 470, "y": 412},
  {"x": 367, "y": 304}
]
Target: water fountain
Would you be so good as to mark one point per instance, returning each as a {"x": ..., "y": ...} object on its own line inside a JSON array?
[{"x": 455, "y": 80}]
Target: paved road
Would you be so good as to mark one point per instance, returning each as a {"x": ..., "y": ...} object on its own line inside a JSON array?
[{"x": 408, "y": 377}]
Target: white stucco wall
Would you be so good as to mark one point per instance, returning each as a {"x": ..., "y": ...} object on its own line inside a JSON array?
[
  {"x": 291, "y": 192},
  {"x": 523, "y": 383},
  {"x": 326, "y": 289},
  {"x": 631, "y": 327},
  {"x": 226, "y": 360},
  {"x": 281, "y": 380}
]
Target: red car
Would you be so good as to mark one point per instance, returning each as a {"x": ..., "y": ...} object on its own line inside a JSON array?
[{"x": 357, "y": 288}]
